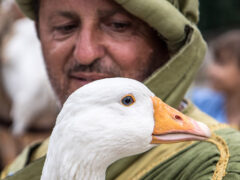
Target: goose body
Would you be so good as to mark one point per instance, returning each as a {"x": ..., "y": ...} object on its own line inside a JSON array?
[{"x": 107, "y": 120}]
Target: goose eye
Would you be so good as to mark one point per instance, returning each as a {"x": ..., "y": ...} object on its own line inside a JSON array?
[{"x": 128, "y": 100}]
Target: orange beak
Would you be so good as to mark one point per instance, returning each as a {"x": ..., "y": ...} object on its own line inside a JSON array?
[{"x": 173, "y": 126}]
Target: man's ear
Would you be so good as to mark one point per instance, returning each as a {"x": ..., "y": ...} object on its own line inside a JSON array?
[{"x": 36, "y": 24}]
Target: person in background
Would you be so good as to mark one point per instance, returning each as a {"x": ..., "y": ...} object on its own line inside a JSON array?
[
  {"x": 224, "y": 73},
  {"x": 222, "y": 99}
]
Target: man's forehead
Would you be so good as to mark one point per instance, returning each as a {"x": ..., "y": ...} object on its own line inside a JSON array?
[
  {"x": 102, "y": 7},
  {"x": 99, "y": 12},
  {"x": 74, "y": 9}
]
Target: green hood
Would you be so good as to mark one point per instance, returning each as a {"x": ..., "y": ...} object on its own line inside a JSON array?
[{"x": 175, "y": 21}]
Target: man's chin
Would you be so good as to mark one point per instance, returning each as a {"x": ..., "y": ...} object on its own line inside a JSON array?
[{"x": 65, "y": 91}]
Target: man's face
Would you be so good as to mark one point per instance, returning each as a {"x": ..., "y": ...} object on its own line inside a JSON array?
[{"x": 86, "y": 40}]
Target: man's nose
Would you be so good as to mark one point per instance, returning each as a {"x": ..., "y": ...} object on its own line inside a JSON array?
[{"x": 88, "y": 47}]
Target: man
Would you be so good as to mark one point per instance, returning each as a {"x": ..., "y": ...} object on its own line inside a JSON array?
[{"x": 154, "y": 41}]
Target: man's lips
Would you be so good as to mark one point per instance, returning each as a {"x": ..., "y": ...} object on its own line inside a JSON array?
[{"x": 88, "y": 76}]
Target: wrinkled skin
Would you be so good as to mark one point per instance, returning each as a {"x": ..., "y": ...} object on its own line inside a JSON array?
[{"x": 86, "y": 40}]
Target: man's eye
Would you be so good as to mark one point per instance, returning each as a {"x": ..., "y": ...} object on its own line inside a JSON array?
[
  {"x": 66, "y": 29},
  {"x": 119, "y": 26}
]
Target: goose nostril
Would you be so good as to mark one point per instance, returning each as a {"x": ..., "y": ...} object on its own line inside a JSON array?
[{"x": 178, "y": 119}]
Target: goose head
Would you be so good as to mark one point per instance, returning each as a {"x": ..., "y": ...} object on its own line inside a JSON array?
[{"x": 110, "y": 119}]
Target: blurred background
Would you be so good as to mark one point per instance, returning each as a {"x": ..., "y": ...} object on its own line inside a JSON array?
[
  {"x": 216, "y": 88},
  {"x": 218, "y": 16},
  {"x": 28, "y": 107}
]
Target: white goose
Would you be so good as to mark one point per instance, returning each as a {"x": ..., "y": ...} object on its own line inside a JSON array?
[{"x": 107, "y": 120}]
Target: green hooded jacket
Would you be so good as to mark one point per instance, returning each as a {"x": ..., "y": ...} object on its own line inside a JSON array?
[{"x": 216, "y": 159}]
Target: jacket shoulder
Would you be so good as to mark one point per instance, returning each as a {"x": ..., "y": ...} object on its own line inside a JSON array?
[{"x": 31, "y": 153}]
